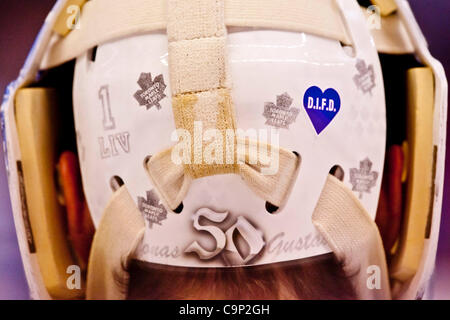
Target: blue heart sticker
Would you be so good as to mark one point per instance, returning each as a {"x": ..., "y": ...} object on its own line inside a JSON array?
[{"x": 321, "y": 107}]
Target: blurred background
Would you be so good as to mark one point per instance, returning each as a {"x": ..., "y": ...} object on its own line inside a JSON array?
[{"x": 20, "y": 21}]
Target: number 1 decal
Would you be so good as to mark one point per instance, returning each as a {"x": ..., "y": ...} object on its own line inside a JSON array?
[{"x": 108, "y": 120}]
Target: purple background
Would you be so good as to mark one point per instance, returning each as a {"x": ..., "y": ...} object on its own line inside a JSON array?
[{"x": 20, "y": 21}]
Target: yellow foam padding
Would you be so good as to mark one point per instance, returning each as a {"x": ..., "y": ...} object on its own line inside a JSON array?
[
  {"x": 420, "y": 90},
  {"x": 387, "y": 7},
  {"x": 36, "y": 116},
  {"x": 67, "y": 18}
]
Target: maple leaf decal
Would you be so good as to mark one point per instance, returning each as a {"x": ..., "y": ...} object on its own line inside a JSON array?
[
  {"x": 151, "y": 92},
  {"x": 280, "y": 115},
  {"x": 365, "y": 79},
  {"x": 363, "y": 179},
  {"x": 152, "y": 209}
]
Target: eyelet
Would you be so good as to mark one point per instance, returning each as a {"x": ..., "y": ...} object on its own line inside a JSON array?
[
  {"x": 146, "y": 160},
  {"x": 270, "y": 208},
  {"x": 115, "y": 183},
  {"x": 178, "y": 209}
]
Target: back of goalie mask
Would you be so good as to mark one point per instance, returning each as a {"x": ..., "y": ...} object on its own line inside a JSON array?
[{"x": 228, "y": 149}]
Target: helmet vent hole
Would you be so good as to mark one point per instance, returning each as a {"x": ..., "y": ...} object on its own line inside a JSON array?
[
  {"x": 115, "y": 183},
  {"x": 94, "y": 54},
  {"x": 146, "y": 160},
  {"x": 338, "y": 172},
  {"x": 179, "y": 208},
  {"x": 270, "y": 208},
  {"x": 349, "y": 50},
  {"x": 365, "y": 3}
]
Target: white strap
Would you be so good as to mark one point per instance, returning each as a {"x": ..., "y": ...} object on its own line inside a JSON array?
[
  {"x": 120, "y": 231},
  {"x": 105, "y": 20},
  {"x": 354, "y": 238}
]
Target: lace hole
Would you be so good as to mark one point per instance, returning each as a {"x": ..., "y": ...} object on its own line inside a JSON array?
[
  {"x": 179, "y": 208},
  {"x": 338, "y": 172},
  {"x": 270, "y": 208},
  {"x": 146, "y": 160},
  {"x": 115, "y": 183}
]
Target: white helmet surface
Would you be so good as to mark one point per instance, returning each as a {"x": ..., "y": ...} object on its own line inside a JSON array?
[{"x": 302, "y": 90}]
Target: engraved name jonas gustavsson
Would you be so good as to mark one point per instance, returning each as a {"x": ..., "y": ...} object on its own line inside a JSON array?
[{"x": 275, "y": 246}]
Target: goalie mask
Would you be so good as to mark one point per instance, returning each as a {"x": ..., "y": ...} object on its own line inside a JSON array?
[{"x": 227, "y": 134}]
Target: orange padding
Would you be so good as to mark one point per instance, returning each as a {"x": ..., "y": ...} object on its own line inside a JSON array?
[
  {"x": 390, "y": 206},
  {"x": 79, "y": 222}
]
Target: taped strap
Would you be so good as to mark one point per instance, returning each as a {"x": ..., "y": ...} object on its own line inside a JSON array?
[
  {"x": 354, "y": 238},
  {"x": 172, "y": 181},
  {"x": 201, "y": 92},
  {"x": 199, "y": 78},
  {"x": 102, "y": 21},
  {"x": 120, "y": 231}
]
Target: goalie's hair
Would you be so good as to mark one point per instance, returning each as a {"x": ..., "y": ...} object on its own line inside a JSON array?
[{"x": 319, "y": 277}]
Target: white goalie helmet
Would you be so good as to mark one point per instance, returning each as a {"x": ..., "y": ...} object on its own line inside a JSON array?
[
  {"x": 300, "y": 90},
  {"x": 206, "y": 133}
]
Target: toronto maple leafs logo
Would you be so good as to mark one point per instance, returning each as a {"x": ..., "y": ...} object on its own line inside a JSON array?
[
  {"x": 152, "y": 209},
  {"x": 365, "y": 79},
  {"x": 363, "y": 179},
  {"x": 151, "y": 92},
  {"x": 280, "y": 115}
]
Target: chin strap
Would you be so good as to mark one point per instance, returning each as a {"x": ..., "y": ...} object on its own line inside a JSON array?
[{"x": 354, "y": 238}]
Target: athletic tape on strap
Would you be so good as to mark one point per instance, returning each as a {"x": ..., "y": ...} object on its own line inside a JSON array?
[{"x": 201, "y": 90}]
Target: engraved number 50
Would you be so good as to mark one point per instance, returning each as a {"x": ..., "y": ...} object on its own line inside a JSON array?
[{"x": 224, "y": 241}]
